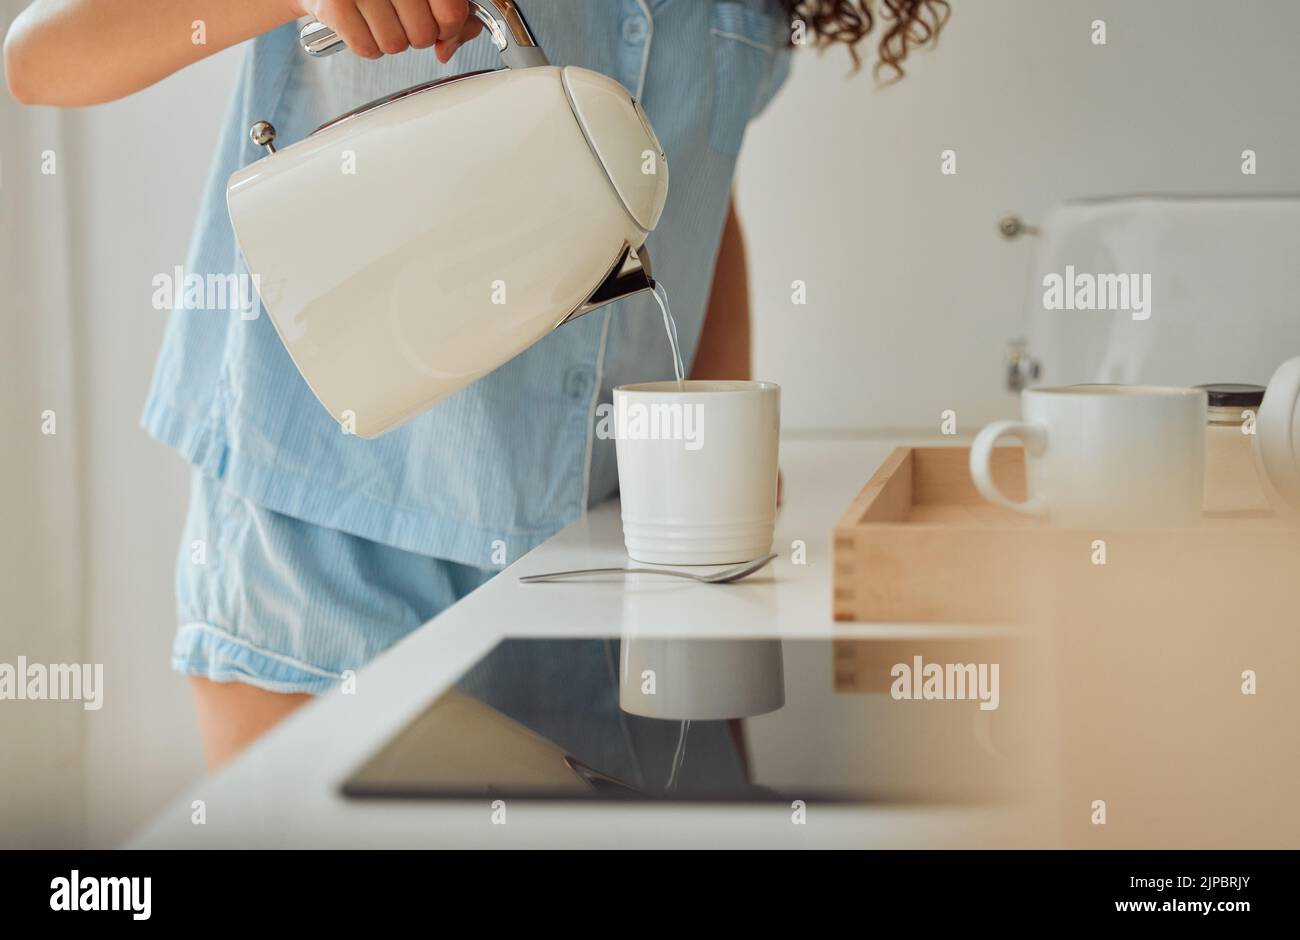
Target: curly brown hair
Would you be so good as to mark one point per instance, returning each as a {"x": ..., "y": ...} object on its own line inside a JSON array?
[{"x": 911, "y": 23}]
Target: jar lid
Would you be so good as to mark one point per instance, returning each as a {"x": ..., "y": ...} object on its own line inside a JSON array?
[{"x": 1233, "y": 395}]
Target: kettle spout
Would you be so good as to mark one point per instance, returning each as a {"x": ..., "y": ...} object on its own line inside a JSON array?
[{"x": 629, "y": 275}]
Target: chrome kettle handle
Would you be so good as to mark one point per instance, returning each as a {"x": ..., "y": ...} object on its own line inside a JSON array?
[{"x": 503, "y": 19}]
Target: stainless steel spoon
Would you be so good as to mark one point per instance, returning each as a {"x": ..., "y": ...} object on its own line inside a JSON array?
[{"x": 726, "y": 576}]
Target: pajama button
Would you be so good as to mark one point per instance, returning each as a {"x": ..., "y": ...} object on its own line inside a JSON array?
[
  {"x": 634, "y": 29},
  {"x": 577, "y": 382}
]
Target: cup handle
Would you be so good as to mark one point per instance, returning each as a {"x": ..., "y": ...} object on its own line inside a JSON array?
[{"x": 1033, "y": 436}]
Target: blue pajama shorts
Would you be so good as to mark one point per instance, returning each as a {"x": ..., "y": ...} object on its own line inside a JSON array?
[{"x": 279, "y": 603}]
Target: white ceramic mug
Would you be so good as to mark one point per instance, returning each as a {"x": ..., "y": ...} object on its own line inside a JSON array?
[
  {"x": 697, "y": 470},
  {"x": 1114, "y": 456}
]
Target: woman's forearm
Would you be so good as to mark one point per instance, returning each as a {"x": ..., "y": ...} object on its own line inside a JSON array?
[
  {"x": 81, "y": 52},
  {"x": 724, "y": 349}
]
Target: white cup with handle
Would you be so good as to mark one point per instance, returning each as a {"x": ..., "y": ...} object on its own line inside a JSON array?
[{"x": 1111, "y": 456}]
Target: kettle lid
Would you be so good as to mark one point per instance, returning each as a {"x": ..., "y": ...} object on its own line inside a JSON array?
[{"x": 622, "y": 139}]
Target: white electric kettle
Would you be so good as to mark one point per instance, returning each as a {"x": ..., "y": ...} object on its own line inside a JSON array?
[{"x": 411, "y": 246}]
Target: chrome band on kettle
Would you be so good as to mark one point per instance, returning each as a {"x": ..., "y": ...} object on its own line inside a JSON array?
[{"x": 503, "y": 19}]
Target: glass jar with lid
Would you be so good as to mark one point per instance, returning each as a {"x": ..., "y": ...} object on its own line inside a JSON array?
[{"x": 1232, "y": 486}]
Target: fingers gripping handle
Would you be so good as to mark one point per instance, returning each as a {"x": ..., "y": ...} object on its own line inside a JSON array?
[
  {"x": 319, "y": 40},
  {"x": 503, "y": 19},
  {"x": 981, "y": 452}
]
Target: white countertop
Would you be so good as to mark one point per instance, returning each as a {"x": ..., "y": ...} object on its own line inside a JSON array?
[{"x": 284, "y": 791}]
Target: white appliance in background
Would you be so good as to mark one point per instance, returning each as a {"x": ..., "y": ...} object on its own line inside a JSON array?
[
  {"x": 1224, "y": 301},
  {"x": 389, "y": 292}
]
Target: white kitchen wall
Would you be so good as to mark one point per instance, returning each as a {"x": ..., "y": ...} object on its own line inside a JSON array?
[
  {"x": 139, "y": 166},
  {"x": 41, "y": 601},
  {"x": 911, "y": 294}
]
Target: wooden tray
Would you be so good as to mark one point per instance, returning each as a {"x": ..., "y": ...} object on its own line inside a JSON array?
[{"x": 920, "y": 544}]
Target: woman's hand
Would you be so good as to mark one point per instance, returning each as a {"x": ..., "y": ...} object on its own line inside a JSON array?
[
  {"x": 80, "y": 52},
  {"x": 373, "y": 28}
]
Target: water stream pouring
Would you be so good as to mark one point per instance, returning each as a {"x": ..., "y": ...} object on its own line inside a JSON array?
[{"x": 390, "y": 293}]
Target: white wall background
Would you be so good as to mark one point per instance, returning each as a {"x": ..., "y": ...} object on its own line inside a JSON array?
[
  {"x": 132, "y": 172},
  {"x": 912, "y": 295},
  {"x": 41, "y": 611},
  {"x": 139, "y": 169}
]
